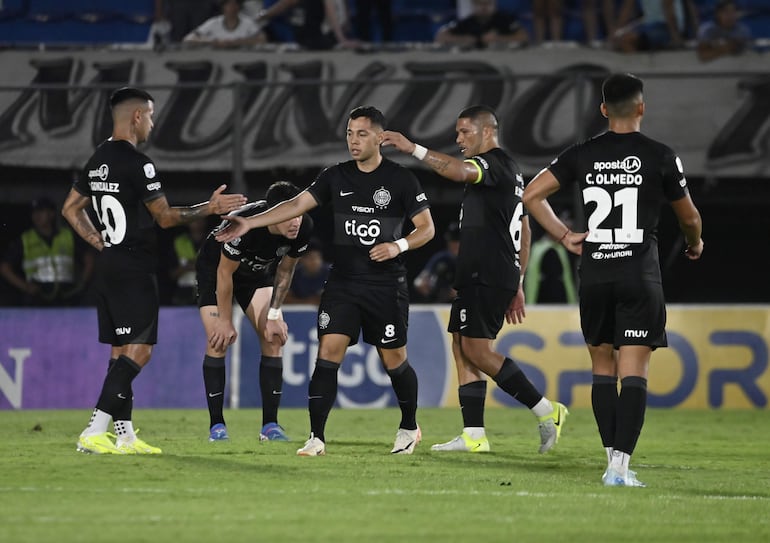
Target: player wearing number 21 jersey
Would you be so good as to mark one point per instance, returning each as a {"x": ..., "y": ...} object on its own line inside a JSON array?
[{"x": 623, "y": 178}]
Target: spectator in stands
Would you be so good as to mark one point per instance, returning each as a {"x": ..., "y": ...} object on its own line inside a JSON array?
[
  {"x": 663, "y": 25},
  {"x": 590, "y": 10},
  {"x": 363, "y": 19},
  {"x": 548, "y": 20},
  {"x": 181, "y": 269},
  {"x": 230, "y": 29},
  {"x": 309, "y": 277},
  {"x": 47, "y": 264},
  {"x": 183, "y": 15},
  {"x": 724, "y": 35},
  {"x": 485, "y": 27},
  {"x": 434, "y": 283},
  {"x": 316, "y": 24}
]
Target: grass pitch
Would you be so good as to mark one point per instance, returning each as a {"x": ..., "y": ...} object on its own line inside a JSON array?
[{"x": 707, "y": 473}]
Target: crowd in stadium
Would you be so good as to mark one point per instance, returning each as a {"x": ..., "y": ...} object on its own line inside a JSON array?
[{"x": 623, "y": 25}]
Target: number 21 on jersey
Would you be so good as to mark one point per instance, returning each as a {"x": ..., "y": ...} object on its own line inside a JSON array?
[{"x": 626, "y": 199}]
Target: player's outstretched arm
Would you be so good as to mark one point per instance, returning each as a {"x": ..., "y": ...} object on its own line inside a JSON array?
[
  {"x": 284, "y": 211},
  {"x": 446, "y": 166},
  {"x": 219, "y": 203}
]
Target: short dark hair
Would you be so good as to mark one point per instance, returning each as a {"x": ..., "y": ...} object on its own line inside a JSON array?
[
  {"x": 722, "y": 4},
  {"x": 129, "y": 93},
  {"x": 477, "y": 113},
  {"x": 370, "y": 112},
  {"x": 619, "y": 88},
  {"x": 281, "y": 191}
]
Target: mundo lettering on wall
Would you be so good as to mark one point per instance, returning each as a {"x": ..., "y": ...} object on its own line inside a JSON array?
[{"x": 268, "y": 110}]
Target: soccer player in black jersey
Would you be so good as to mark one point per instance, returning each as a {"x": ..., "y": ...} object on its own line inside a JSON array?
[
  {"x": 624, "y": 177},
  {"x": 257, "y": 271},
  {"x": 122, "y": 185},
  {"x": 367, "y": 292},
  {"x": 494, "y": 248}
]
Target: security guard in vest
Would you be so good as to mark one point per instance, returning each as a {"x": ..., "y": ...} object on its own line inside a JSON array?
[{"x": 43, "y": 262}]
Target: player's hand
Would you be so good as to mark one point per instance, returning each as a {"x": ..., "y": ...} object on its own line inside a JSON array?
[
  {"x": 573, "y": 242},
  {"x": 237, "y": 227},
  {"x": 693, "y": 253},
  {"x": 276, "y": 330},
  {"x": 515, "y": 313},
  {"x": 397, "y": 140},
  {"x": 223, "y": 335},
  {"x": 384, "y": 251},
  {"x": 224, "y": 203}
]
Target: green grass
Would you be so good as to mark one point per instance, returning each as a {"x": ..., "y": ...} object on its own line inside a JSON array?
[{"x": 707, "y": 472}]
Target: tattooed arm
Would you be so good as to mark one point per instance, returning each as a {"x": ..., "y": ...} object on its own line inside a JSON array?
[
  {"x": 219, "y": 204},
  {"x": 446, "y": 166},
  {"x": 74, "y": 210}
]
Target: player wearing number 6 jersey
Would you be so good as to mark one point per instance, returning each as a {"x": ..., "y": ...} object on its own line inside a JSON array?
[
  {"x": 623, "y": 177},
  {"x": 494, "y": 248},
  {"x": 127, "y": 198}
]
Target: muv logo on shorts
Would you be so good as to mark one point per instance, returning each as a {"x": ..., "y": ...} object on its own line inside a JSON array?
[
  {"x": 636, "y": 333},
  {"x": 123, "y": 330}
]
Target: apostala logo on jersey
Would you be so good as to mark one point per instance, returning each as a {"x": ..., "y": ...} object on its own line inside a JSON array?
[
  {"x": 630, "y": 164},
  {"x": 102, "y": 172},
  {"x": 381, "y": 197}
]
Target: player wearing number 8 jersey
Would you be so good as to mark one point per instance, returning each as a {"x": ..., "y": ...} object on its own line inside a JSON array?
[
  {"x": 366, "y": 293},
  {"x": 623, "y": 177},
  {"x": 494, "y": 248},
  {"x": 127, "y": 197}
]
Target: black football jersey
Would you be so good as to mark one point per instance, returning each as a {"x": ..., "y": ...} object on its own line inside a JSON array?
[
  {"x": 490, "y": 223},
  {"x": 119, "y": 180},
  {"x": 368, "y": 208},
  {"x": 258, "y": 251},
  {"x": 624, "y": 179}
]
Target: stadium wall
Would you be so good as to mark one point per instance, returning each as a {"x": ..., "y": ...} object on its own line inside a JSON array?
[
  {"x": 49, "y": 359},
  {"x": 255, "y": 110}
]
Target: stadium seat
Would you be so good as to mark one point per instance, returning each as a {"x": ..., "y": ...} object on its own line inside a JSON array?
[
  {"x": 10, "y": 9},
  {"x": 759, "y": 25}
]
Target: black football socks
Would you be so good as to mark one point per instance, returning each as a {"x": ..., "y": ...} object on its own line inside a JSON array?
[
  {"x": 214, "y": 382},
  {"x": 404, "y": 381}
]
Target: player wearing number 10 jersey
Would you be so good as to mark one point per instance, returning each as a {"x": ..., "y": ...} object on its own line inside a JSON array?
[
  {"x": 623, "y": 177},
  {"x": 121, "y": 185}
]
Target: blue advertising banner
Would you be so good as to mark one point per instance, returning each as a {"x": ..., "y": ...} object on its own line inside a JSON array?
[{"x": 50, "y": 359}]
